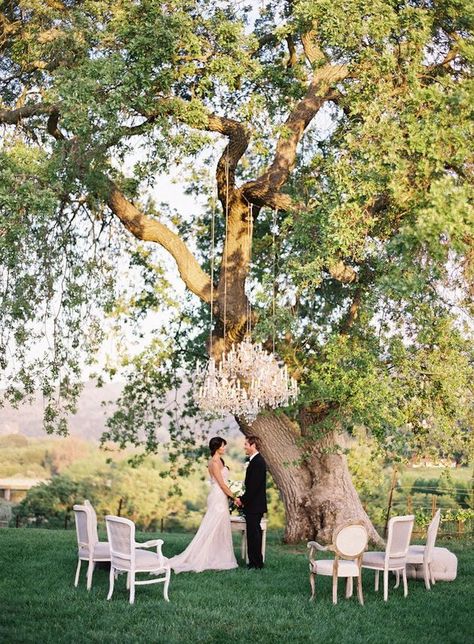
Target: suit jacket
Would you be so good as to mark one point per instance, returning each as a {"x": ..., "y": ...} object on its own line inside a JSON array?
[{"x": 255, "y": 497}]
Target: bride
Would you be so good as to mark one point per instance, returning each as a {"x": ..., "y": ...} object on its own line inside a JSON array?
[{"x": 211, "y": 547}]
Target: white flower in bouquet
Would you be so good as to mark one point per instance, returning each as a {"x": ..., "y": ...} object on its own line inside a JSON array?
[{"x": 237, "y": 487}]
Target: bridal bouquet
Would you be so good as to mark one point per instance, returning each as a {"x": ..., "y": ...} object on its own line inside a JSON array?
[{"x": 237, "y": 487}]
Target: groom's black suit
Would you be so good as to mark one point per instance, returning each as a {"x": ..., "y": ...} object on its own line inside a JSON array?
[{"x": 254, "y": 502}]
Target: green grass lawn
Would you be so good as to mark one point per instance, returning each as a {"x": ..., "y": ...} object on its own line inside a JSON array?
[{"x": 38, "y": 602}]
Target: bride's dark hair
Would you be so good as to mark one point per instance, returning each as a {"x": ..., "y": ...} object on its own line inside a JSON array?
[{"x": 215, "y": 443}]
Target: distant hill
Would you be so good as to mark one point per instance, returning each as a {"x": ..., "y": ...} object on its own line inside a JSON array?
[
  {"x": 87, "y": 424},
  {"x": 89, "y": 421}
]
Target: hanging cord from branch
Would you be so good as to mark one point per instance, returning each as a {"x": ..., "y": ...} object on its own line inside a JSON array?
[
  {"x": 250, "y": 237},
  {"x": 225, "y": 239},
  {"x": 213, "y": 230},
  {"x": 247, "y": 291},
  {"x": 274, "y": 228}
]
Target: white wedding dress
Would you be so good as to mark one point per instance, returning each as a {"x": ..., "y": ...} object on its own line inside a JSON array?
[{"x": 211, "y": 547}]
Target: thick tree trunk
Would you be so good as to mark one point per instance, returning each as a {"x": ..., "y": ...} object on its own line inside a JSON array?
[
  {"x": 316, "y": 487},
  {"x": 317, "y": 491}
]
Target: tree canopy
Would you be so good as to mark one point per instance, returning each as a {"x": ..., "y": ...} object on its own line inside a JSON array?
[{"x": 329, "y": 146}]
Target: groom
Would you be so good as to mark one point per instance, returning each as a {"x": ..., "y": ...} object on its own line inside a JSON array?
[{"x": 254, "y": 500}]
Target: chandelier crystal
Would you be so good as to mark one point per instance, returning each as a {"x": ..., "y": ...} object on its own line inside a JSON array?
[{"x": 247, "y": 380}]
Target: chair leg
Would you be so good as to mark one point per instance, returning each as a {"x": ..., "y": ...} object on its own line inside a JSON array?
[
  {"x": 311, "y": 583},
  {"x": 132, "y": 587},
  {"x": 334, "y": 590},
  {"x": 166, "y": 584},
  {"x": 433, "y": 580},
  {"x": 359, "y": 589},
  {"x": 426, "y": 575},
  {"x": 128, "y": 581},
  {"x": 405, "y": 583},
  {"x": 111, "y": 581},
  {"x": 397, "y": 575},
  {"x": 349, "y": 587},
  {"x": 385, "y": 585},
  {"x": 377, "y": 580},
  {"x": 78, "y": 570},
  {"x": 90, "y": 572}
]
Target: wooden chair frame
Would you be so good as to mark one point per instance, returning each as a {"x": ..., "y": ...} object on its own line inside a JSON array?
[
  {"x": 95, "y": 550},
  {"x": 392, "y": 561},
  {"x": 130, "y": 566},
  {"x": 424, "y": 554},
  {"x": 339, "y": 555}
]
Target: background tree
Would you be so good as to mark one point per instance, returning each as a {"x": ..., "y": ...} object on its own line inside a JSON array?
[
  {"x": 51, "y": 503},
  {"x": 343, "y": 126}
]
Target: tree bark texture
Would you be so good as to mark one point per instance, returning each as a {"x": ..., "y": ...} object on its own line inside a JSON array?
[{"x": 317, "y": 491}]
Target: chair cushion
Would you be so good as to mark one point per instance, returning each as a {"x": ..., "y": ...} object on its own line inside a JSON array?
[
  {"x": 373, "y": 559},
  {"x": 376, "y": 560},
  {"x": 147, "y": 561},
  {"x": 101, "y": 551},
  {"x": 444, "y": 565},
  {"x": 415, "y": 554},
  {"x": 345, "y": 568}
]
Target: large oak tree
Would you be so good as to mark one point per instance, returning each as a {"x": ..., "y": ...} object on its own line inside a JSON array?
[{"x": 338, "y": 135}]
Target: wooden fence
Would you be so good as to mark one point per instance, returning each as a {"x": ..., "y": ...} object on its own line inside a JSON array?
[{"x": 455, "y": 528}]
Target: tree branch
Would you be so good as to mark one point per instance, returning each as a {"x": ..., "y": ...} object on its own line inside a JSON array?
[
  {"x": 263, "y": 41},
  {"x": 311, "y": 50},
  {"x": 234, "y": 150},
  {"x": 342, "y": 272},
  {"x": 13, "y": 117},
  {"x": 126, "y": 131},
  {"x": 264, "y": 191},
  {"x": 237, "y": 133},
  {"x": 146, "y": 228},
  {"x": 141, "y": 226},
  {"x": 293, "y": 56},
  {"x": 353, "y": 311},
  {"x": 52, "y": 125}
]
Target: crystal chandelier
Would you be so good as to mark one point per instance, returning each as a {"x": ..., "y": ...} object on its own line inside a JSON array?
[{"x": 247, "y": 380}]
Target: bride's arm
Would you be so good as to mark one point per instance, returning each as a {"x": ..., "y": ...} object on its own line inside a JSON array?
[{"x": 216, "y": 472}]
